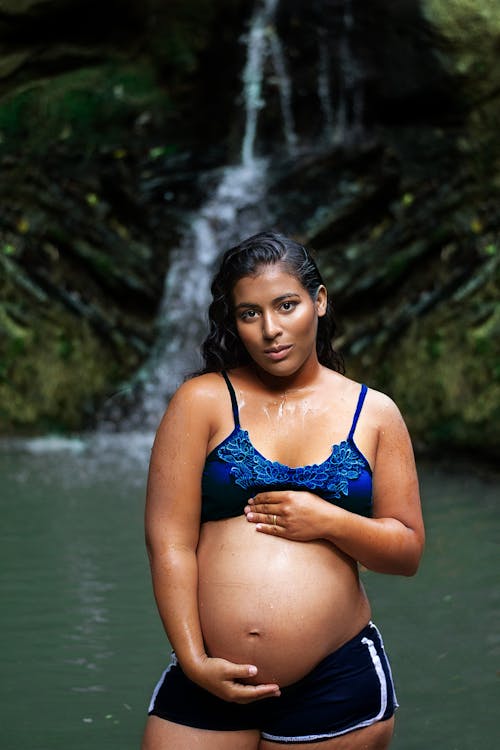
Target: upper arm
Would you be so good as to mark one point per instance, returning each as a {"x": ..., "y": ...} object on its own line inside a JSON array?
[
  {"x": 173, "y": 501},
  {"x": 395, "y": 482}
]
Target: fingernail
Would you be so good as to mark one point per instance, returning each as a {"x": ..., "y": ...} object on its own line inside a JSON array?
[{"x": 252, "y": 670}]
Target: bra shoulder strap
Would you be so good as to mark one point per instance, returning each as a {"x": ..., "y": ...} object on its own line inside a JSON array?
[
  {"x": 361, "y": 401},
  {"x": 234, "y": 402}
]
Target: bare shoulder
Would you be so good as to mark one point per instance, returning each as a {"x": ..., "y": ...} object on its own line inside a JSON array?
[
  {"x": 393, "y": 438},
  {"x": 382, "y": 407},
  {"x": 190, "y": 419},
  {"x": 380, "y": 412},
  {"x": 202, "y": 389},
  {"x": 376, "y": 401},
  {"x": 196, "y": 399}
]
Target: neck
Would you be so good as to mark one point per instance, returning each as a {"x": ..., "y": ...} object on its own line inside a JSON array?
[{"x": 302, "y": 378}]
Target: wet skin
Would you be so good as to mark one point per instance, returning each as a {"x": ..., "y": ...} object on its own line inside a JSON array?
[{"x": 250, "y": 604}]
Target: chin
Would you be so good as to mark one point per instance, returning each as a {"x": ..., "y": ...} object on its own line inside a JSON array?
[{"x": 280, "y": 369}]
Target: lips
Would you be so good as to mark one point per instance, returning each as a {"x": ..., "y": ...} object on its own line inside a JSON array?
[{"x": 277, "y": 352}]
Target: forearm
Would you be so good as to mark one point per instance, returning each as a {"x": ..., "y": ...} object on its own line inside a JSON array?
[
  {"x": 175, "y": 584},
  {"x": 384, "y": 545}
]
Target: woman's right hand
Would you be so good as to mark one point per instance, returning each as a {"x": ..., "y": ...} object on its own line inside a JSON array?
[{"x": 225, "y": 680}]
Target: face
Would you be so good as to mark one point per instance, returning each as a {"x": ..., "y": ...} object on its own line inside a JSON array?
[{"x": 277, "y": 320}]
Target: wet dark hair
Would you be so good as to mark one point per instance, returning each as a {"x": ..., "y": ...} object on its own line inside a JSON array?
[{"x": 222, "y": 348}]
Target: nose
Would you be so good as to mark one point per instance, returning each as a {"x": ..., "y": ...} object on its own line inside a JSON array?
[{"x": 270, "y": 326}]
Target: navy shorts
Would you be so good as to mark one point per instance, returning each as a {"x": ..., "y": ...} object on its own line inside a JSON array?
[{"x": 349, "y": 689}]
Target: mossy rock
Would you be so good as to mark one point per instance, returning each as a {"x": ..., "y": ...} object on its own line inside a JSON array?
[
  {"x": 57, "y": 375},
  {"x": 54, "y": 367},
  {"x": 471, "y": 31},
  {"x": 444, "y": 372},
  {"x": 83, "y": 108},
  {"x": 470, "y": 40}
]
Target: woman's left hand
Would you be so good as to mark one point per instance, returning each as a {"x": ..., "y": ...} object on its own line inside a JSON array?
[{"x": 290, "y": 514}]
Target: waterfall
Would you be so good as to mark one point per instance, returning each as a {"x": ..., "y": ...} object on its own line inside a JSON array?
[
  {"x": 263, "y": 43},
  {"x": 215, "y": 227},
  {"x": 349, "y": 117},
  {"x": 343, "y": 122},
  {"x": 187, "y": 287},
  {"x": 235, "y": 210}
]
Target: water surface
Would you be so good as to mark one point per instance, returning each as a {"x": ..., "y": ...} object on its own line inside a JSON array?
[{"x": 82, "y": 645}]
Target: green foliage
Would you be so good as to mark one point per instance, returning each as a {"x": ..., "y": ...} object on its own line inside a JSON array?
[
  {"x": 53, "y": 366},
  {"x": 49, "y": 374},
  {"x": 444, "y": 374},
  {"x": 86, "y": 107},
  {"x": 471, "y": 31}
]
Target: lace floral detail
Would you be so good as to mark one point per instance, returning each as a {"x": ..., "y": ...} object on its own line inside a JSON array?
[{"x": 250, "y": 469}]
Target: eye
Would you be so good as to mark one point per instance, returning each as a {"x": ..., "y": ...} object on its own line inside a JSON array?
[
  {"x": 288, "y": 305},
  {"x": 248, "y": 315}
]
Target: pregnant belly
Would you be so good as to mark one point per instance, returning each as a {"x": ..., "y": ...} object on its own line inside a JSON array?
[{"x": 280, "y": 605}]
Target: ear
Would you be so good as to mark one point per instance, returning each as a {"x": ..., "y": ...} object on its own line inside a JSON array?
[{"x": 321, "y": 301}]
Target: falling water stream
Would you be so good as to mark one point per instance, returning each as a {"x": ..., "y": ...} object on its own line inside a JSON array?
[
  {"x": 81, "y": 636},
  {"x": 235, "y": 209},
  {"x": 187, "y": 288}
]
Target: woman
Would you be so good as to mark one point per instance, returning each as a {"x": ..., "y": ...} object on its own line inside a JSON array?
[{"x": 272, "y": 475}]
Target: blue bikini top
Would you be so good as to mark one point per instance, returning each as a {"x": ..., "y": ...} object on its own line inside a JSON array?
[{"x": 235, "y": 471}]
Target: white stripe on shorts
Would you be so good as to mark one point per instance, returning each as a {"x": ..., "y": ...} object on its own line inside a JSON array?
[
  {"x": 173, "y": 662},
  {"x": 367, "y": 722},
  {"x": 394, "y": 696}
]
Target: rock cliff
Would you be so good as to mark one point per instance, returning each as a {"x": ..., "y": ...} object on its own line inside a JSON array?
[{"x": 110, "y": 113}]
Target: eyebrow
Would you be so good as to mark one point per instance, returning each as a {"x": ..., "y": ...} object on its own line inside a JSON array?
[{"x": 282, "y": 297}]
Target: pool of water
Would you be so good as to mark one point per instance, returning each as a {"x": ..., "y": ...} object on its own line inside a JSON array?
[{"x": 82, "y": 645}]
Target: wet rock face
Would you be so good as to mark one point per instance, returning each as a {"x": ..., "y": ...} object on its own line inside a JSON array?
[
  {"x": 83, "y": 253},
  {"x": 109, "y": 115}
]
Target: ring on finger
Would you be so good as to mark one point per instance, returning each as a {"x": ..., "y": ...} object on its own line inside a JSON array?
[{"x": 274, "y": 520}]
